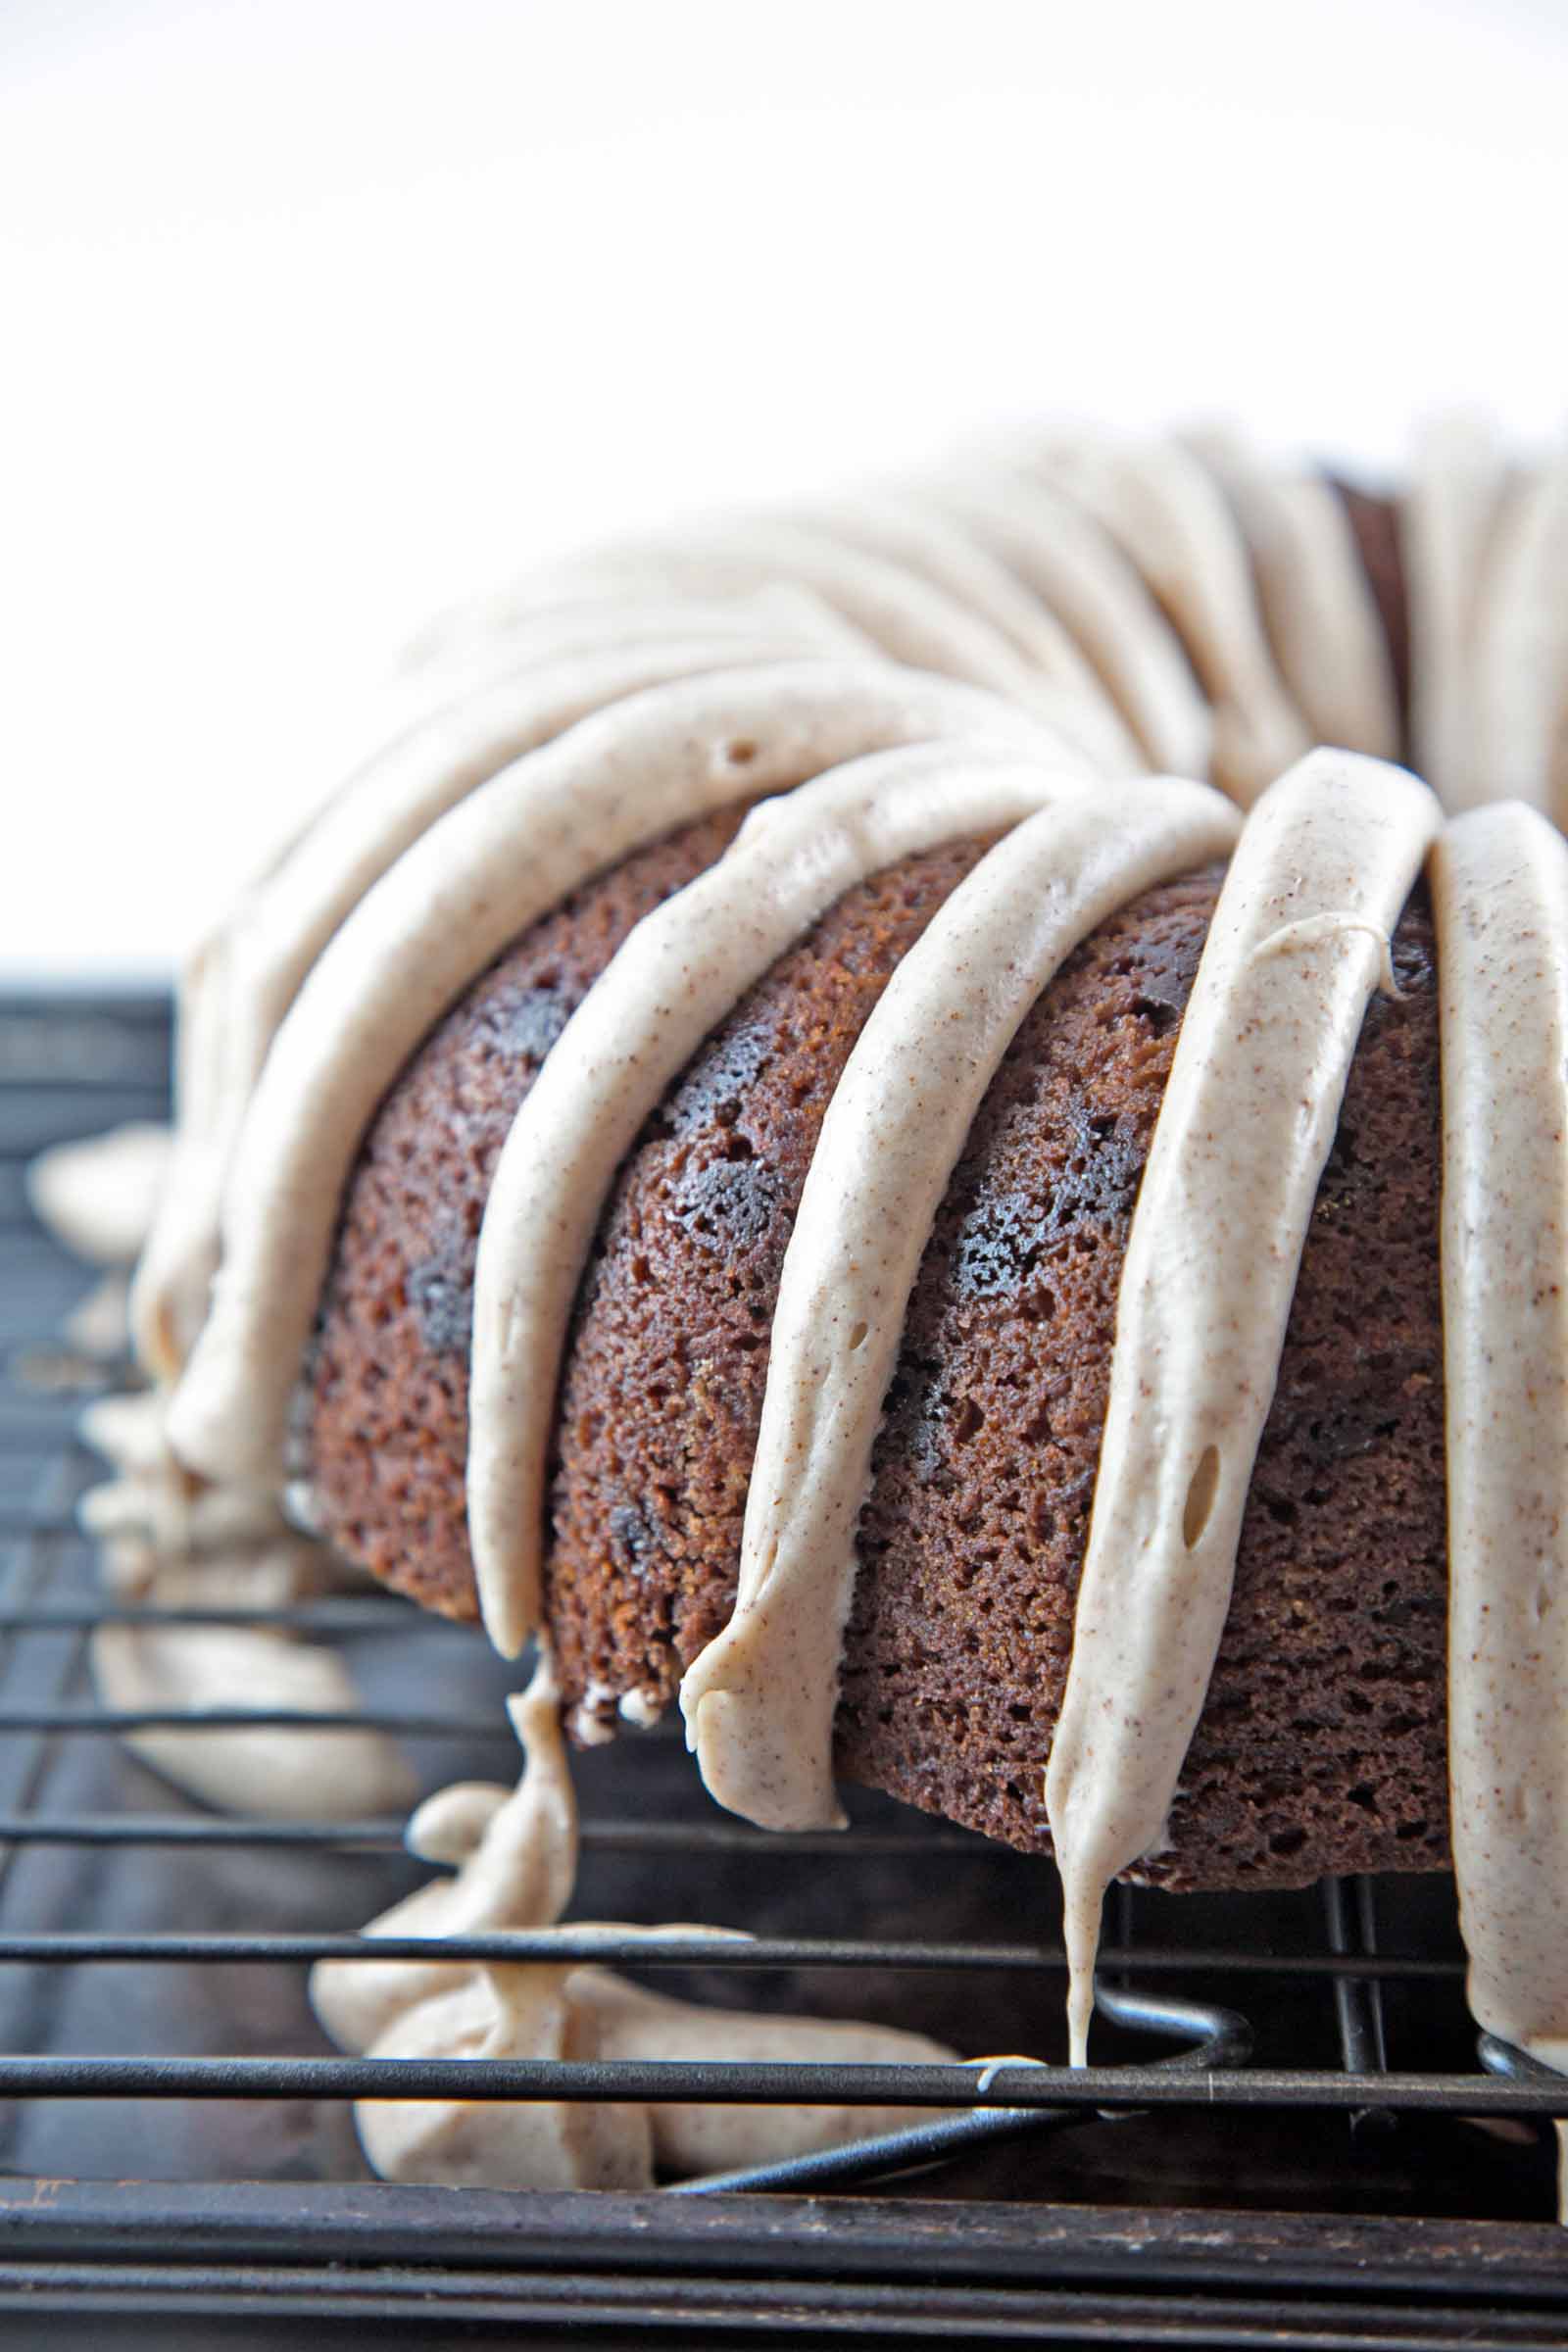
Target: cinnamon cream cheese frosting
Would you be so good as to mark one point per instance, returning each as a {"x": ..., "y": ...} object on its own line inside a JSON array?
[
  {"x": 681, "y": 971},
  {"x": 759, "y": 1701},
  {"x": 1500, "y": 894},
  {"x": 1086, "y": 670},
  {"x": 502, "y": 856},
  {"x": 1299, "y": 941},
  {"x": 515, "y": 1863}
]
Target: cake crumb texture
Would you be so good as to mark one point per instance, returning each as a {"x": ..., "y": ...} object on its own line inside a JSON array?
[{"x": 1322, "y": 1744}]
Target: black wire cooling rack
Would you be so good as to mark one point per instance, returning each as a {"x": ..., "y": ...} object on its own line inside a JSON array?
[{"x": 1324, "y": 2158}]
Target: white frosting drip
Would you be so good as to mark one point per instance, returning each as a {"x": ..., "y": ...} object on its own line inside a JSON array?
[
  {"x": 515, "y": 1856},
  {"x": 678, "y": 976},
  {"x": 278, "y": 934},
  {"x": 1457, "y": 491},
  {"x": 152, "y": 1498},
  {"x": 1296, "y": 945},
  {"x": 275, "y": 1772},
  {"x": 1500, "y": 897},
  {"x": 1082, "y": 575},
  {"x": 759, "y": 1702},
  {"x": 1520, "y": 670},
  {"x": 589, "y": 1719},
  {"x": 99, "y": 1325},
  {"x": 516, "y": 1853},
  {"x": 459, "y": 722},
  {"x": 515, "y": 848},
  {"x": 160, "y": 1339},
  {"x": 1161, "y": 507},
  {"x": 100, "y": 1197},
  {"x": 502, "y": 2012},
  {"x": 172, "y": 1542},
  {"x": 1317, "y": 603}
]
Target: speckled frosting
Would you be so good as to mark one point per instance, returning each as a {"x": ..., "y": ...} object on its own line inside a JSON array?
[{"x": 1080, "y": 671}]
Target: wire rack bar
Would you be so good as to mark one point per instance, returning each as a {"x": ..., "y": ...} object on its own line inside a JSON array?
[
  {"x": 757, "y": 2084},
  {"x": 1219, "y": 2037},
  {"x": 97, "y": 1722},
  {"x": 1348, "y": 1906},
  {"x": 69, "y": 1076},
  {"x": 249, "y": 2222},
  {"x": 640, "y": 1949},
  {"x": 613, "y": 1836},
  {"x": 369, "y": 1616},
  {"x": 681, "y": 2308}
]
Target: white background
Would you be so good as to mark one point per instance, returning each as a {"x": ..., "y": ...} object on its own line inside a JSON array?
[{"x": 317, "y": 316}]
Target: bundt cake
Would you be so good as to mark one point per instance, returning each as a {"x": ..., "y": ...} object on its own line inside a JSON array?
[{"x": 851, "y": 1121}]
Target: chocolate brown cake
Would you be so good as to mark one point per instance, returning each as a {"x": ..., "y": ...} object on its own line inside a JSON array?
[{"x": 1322, "y": 1744}]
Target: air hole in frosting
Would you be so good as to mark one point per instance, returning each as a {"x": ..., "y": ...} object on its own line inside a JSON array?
[{"x": 1200, "y": 1496}]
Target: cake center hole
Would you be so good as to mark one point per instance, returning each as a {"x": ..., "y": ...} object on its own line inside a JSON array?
[
  {"x": 857, "y": 1337},
  {"x": 1200, "y": 1496}
]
